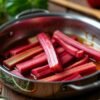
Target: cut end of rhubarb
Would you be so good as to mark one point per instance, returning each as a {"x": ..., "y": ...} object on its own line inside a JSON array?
[
  {"x": 92, "y": 52},
  {"x": 42, "y": 74},
  {"x": 70, "y": 49},
  {"x": 10, "y": 62},
  {"x": 66, "y": 73},
  {"x": 80, "y": 53},
  {"x": 75, "y": 76}
]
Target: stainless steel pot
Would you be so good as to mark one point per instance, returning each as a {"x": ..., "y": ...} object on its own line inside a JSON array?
[{"x": 30, "y": 23}]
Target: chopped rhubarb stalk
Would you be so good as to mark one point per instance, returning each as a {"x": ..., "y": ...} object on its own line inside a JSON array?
[
  {"x": 64, "y": 58},
  {"x": 92, "y": 52},
  {"x": 39, "y": 55},
  {"x": 79, "y": 69},
  {"x": 40, "y": 69},
  {"x": 36, "y": 61},
  {"x": 22, "y": 48},
  {"x": 10, "y": 62},
  {"x": 50, "y": 52},
  {"x": 32, "y": 63},
  {"x": 59, "y": 50},
  {"x": 29, "y": 76},
  {"x": 33, "y": 39},
  {"x": 72, "y": 50},
  {"x": 78, "y": 63},
  {"x": 43, "y": 69},
  {"x": 54, "y": 42},
  {"x": 16, "y": 72},
  {"x": 42, "y": 72},
  {"x": 74, "y": 76}
]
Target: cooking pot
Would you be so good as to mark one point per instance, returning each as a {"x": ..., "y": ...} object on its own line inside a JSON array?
[{"x": 31, "y": 22}]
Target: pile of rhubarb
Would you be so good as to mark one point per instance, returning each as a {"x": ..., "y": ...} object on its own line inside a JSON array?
[{"x": 57, "y": 58}]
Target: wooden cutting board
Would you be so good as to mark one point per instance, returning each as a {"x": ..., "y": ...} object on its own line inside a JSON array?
[{"x": 72, "y": 4}]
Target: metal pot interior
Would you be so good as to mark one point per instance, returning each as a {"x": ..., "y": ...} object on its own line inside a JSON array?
[{"x": 19, "y": 29}]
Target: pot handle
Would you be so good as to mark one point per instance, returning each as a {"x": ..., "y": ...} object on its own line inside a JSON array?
[
  {"x": 87, "y": 87},
  {"x": 30, "y": 12}
]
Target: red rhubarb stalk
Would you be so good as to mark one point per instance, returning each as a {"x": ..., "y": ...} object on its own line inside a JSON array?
[
  {"x": 59, "y": 50},
  {"x": 10, "y": 62},
  {"x": 36, "y": 61},
  {"x": 34, "y": 42},
  {"x": 40, "y": 69},
  {"x": 65, "y": 58},
  {"x": 32, "y": 63},
  {"x": 78, "y": 63},
  {"x": 22, "y": 48},
  {"x": 50, "y": 52},
  {"x": 79, "y": 69},
  {"x": 72, "y": 50},
  {"x": 93, "y": 53},
  {"x": 39, "y": 55},
  {"x": 45, "y": 70},
  {"x": 42, "y": 72},
  {"x": 33, "y": 39},
  {"x": 74, "y": 76}
]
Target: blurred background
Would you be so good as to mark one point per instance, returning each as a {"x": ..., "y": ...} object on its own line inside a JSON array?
[{"x": 10, "y": 8}]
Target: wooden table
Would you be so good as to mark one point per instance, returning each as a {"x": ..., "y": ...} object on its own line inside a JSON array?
[{"x": 11, "y": 95}]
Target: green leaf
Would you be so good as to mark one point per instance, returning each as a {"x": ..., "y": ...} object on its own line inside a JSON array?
[
  {"x": 15, "y": 9},
  {"x": 2, "y": 1},
  {"x": 16, "y": 6},
  {"x": 39, "y": 3}
]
